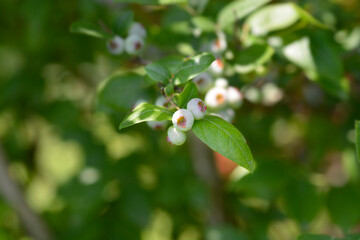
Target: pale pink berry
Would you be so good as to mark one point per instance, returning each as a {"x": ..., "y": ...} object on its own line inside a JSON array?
[
  {"x": 197, "y": 107},
  {"x": 175, "y": 136},
  {"x": 116, "y": 45},
  {"x": 183, "y": 120},
  {"x": 234, "y": 97},
  {"x": 134, "y": 44}
]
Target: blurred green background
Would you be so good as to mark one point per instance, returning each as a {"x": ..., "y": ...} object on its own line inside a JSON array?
[{"x": 89, "y": 181}]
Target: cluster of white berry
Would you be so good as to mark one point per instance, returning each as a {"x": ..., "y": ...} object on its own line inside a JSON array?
[
  {"x": 183, "y": 120},
  {"x": 221, "y": 98},
  {"x": 133, "y": 44}
]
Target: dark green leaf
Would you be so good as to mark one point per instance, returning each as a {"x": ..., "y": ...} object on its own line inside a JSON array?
[
  {"x": 249, "y": 58},
  {"x": 153, "y": 2},
  {"x": 146, "y": 112},
  {"x": 343, "y": 205},
  {"x": 172, "y": 63},
  {"x": 193, "y": 66},
  {"x": 237, "y": 10},
  {"x": 158, "y": 72},
  {"x": 123, "y": 23},
  {"x": 89, "y": 29},
  {"x": 225, "y": 139},
  {"x": 319, "y": 57},
  {"x": 315, "y": 237},
  {"x": 357, "y": 134},
  {"x": 190, "y": 91},
  {"x": 302, "y": 201},
  {"x": 120, "y": 92}
]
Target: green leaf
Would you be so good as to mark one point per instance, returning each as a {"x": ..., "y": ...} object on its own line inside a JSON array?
[
  {"x": 89, "y": 29},
  {"x": 279, "y": 16},
  {"x": 343, "y": 206},
  {"x": 302, "y": 201},
  {"x": 225, "y": 139},
  {"x": 190, "y": 91},
  {"x": 120, "y": 92},
  {"x": 158, "y": 72},
  {"x": 272, "y": 18},
  {"x": 320, "y": 59},
  {"x": 146, "y": 112},
  {"x": 249, "y": 58},
  {"x": 153, "y": 2},
  {"x": 237, "y": 10},
  {"x": 357, "y": 134},
  {"x": 205, "y": 24},
  {"x": 192, "y": 67},
  {"x": 315, "y": 237},
  {"x": 123, "y": 23},
  {"x": 172, "y": 63}
]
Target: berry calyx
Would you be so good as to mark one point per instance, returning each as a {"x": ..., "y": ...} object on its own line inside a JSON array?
[
  {"x": 116, "y": 45},
  {"x": 183, "y": 120}
]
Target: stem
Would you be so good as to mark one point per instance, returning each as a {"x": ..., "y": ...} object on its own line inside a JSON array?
[
  {"x": 12, "y": 193},
  {"x": 205, "y": 169}
]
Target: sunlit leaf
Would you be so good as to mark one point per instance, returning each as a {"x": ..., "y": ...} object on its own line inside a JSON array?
[
  {"x": 190, "y": 91},
  {"x": 153, "y": 2},
  {"x": 224, "y": 138},
  {"x": 89, "y": 29},
  {"x": 146, "y": 112}
]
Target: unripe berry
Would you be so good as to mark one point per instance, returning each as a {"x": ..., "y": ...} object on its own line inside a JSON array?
[
  {"x": 116, "y": 45},
  {"x": 234, "y": 97},
  {"x": 197, "y": 108},
  {"x": 217, "y": 66},
  {"x": 221, "y": 83},
  {"x": 137, "y": 29},
  {"x": 216, "y": 98},
  {"x": 157, "y": 125},
  {"x": 175, "y": 136},
  {"x": 169, "y": 90},
  {"x": 134, "y": 44},
  {"x": 203, "y": 82},
  {"x": 183, "y": 120}
]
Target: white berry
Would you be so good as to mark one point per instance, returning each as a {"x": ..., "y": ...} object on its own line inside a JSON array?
[
  {"x": 217, "y": 66},
  {"x": 115, "y": 45},
  {"x": 157, "y": 125},
  {"x": 221, "y": 83},
  {"x": 216, "y": 98},
  {"x": 197, "y": 107},
  {"x": 175, "y": 136},
  {"x": 137, "y": 29},
  {"x": 234, "y": 97},
  {"x": 134, "y": 44},
  {"x": 227, "y": 114},
  {"x": 161, "y": 101},
  {"x": 219, "y": 44},
  {"x": 203, "y": 82},
  {"x": 183, "y": 120}
]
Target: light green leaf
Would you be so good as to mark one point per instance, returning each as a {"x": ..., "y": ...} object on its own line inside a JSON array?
[
  {"x": 276, "y": 17},
  {"x": 146, "y": 112},
  {"x": 225, "y": 139},
  {"x": 357, "y": 134},
  {"x": 193, "y": 66},
  {"x": 237, "y": 10},
  {"x": 272, "y": 18},
  {"x": 249, "y": 58},
  {"x": 158, "y": 72},
  {"x": 89, "y": 29},
  {"x": 153, "y": 2},
  {"x": 120, "y": 92},
  {"x": 205, "y": 24},
  {"x": 190, "y": 91}
]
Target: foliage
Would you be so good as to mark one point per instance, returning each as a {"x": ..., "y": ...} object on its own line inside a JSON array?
[{"x": 63, "y": 96}]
